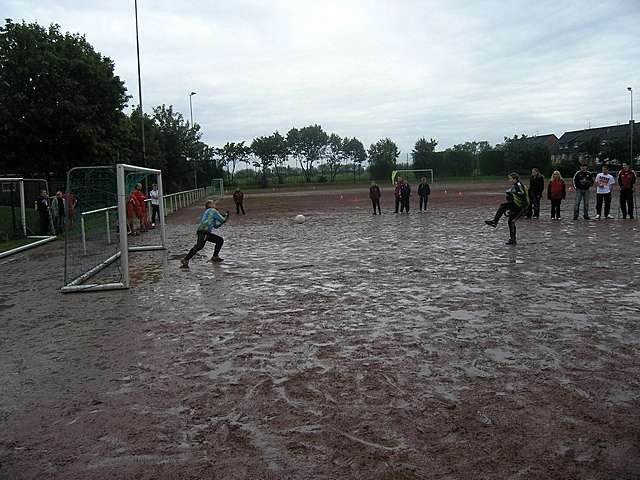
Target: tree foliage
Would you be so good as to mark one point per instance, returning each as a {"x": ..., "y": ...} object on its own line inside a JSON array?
[
  {"x": 521, "y": 155},
  {"x": 61, "y": 102},
  {"x": 307, "y": 145},
  {"x": 231, "y": 154},
  {"x": 355, "y": 153},
  {"x": 382, "y": 158}
]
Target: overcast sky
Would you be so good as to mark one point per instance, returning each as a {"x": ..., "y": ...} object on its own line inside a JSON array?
[{"x": 403, "y": 69}]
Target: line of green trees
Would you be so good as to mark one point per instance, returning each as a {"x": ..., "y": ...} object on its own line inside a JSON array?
[{"x": 63, "y": 106}]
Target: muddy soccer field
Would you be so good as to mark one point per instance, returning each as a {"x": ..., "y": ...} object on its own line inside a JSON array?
[{"x": 351, "y": 346}]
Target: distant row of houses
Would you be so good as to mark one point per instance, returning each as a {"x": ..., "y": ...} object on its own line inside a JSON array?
[{"x": 582, "y": 145}]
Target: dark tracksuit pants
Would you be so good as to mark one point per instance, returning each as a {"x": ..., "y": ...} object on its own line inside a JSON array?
[
  {"x": 239, "y": 207},
  {"x": 626, "y": 202},
  {"x": 534, "y": 206},
  {"x": 514, "y": 215},
  {"x": 155, "y": 211},
  {"x": 606, "y": 197},
  {"x": 44, "y": 223},
  {"x": 376, "y": 204},
  {"x": 555, "y": 208},
  {"x": 203, "y": 238},
  {"x": 404, "y": 204},
  {"x": 423, "y": 201}
]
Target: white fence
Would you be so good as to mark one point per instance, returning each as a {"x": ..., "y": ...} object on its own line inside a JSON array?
[
  {"x": 172, "y": 203},
  {"x": 176, "y": 201}
]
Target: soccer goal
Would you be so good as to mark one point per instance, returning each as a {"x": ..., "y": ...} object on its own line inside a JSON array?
[
  {"x": 19, "y": 219},
  {"x": 217, "y": 188},
  {"x": 413, "y": 176},
  {"x": 111, "y": 219}
]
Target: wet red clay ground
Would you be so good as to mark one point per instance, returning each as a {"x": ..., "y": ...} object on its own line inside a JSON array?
[{"x": 353, "y": 346}]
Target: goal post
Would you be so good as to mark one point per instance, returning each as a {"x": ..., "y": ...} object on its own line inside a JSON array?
[
  {"x": 217, "y": 188},
  {"x": 109, "y": 202},
  {"x": 19, "y": 220},
  {"x": 413, "y": 175}
]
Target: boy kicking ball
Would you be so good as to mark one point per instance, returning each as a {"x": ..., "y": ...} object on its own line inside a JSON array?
[
  {"x": 515, "y": 206},
  {"x": 210, "y": 220}
]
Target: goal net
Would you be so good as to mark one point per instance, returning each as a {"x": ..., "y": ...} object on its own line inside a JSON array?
[
  {"x": 113, "y": 215},
  {"x": 413, "y": 176},
  {"x": 217, "y": 188},
  {"x": 19, "y": 216}
]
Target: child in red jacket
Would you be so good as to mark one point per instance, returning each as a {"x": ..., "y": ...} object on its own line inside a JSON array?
[{"x": 556, "y": 192}]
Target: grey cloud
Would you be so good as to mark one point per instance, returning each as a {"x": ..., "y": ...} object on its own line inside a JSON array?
[{"x": 454, "y": 71}]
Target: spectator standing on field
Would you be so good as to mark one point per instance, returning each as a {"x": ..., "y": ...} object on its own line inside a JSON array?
[
  {"x": 405, "y": 196},
  {"x": 536, "y": 189},
  {"x": 238, "y": 198},
  {"x": 58, "y": 212},
  {"x": 70, "y": 201},
  {"x": 604, "y": 187},
  {"x": 397, "y": 193},
  {"x": 374, "y": 195},
  {"x": 423, "y": 192},
  {"x": 582, "y": 182},
  {"x": 556, "y": 192},
  {"x": 154, "y": 195},
  {"x": 211, "y": 219},
  {"x": 515, "y": 205},
  {"x": 42, "y": 206},
  {"x": 141, "y": 207},
  {"x": 626, "y": 181}
]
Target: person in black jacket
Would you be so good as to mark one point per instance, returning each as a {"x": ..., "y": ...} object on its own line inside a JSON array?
[
  {"x": 536, "y": 189},
  {"x": 515, "y": 206},
  {"x": 582, "y": 182},
  {"x": 374, "y": 195},
  {"x": 405, "y": 194},
  {"x": 423, "y": 192},
  {"x": 42, "y": 206}
]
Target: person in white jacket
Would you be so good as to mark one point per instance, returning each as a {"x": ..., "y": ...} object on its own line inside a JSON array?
[{"x": 604, "y": 187}]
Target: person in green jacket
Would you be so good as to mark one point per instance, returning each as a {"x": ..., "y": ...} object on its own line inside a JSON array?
[{"x": 514, "y": 207}]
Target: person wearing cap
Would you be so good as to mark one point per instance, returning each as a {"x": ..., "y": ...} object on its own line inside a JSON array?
[
  {"x": 514, "y": 207},
  {"x": 582, "y": 182}
]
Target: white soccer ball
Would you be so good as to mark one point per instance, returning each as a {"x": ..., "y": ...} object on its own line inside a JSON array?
[{"x": 300, "y": 219}]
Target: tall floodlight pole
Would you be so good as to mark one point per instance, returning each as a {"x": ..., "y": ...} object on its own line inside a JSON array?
[
  {"x": 195, "y": 171},
  {"x": 631, "y": 127},
  {"x": 144, "y": 149}
]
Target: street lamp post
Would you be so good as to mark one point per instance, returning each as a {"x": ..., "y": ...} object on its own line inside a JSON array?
[
  {"x": 631, "y": 127},
  {"x": 144, "y": 150},
  {"x": 195, "y": 171}
]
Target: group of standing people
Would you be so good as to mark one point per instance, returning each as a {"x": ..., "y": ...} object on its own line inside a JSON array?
[
  {"x": 54, "y": 213},
  {"x": 605, "y": 183},
  {"x": 402, "y": 195},
  {"x": 521, "y": 201}
]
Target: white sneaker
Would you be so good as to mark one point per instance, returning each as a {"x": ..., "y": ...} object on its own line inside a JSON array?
[
  {"x": 609, "y": 217},
  {"x": 597, "y": 217}
]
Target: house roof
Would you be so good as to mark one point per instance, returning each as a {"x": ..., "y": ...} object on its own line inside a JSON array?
[
  {"x": 604, "y": 133},
  {"x": 543, "y": 139}
]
